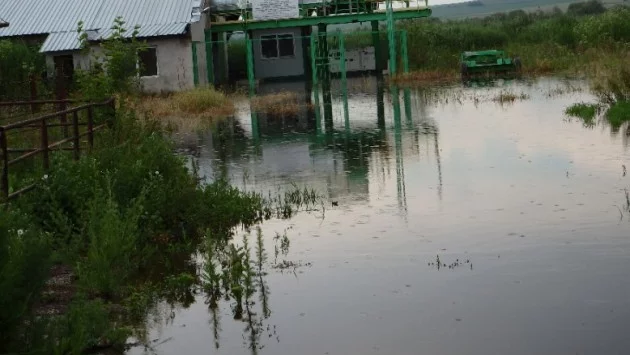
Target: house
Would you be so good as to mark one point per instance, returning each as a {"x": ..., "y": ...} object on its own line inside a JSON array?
[{"x": 169, "y": 27}]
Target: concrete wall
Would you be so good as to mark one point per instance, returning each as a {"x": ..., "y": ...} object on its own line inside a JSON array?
[
  {"x": 197, "y": 34},
  {"x": 278, "y": 67},
  {"x": 174, "y": 60},
  {"x": 175, "y": 66}
]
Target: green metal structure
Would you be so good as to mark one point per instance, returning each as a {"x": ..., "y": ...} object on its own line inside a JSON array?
[
  {"x": 314, "y": 18},
  {"x": 488, "y": 61}
]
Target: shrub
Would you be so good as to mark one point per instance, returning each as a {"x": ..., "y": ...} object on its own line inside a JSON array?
[{"x": 24, "y": 266}]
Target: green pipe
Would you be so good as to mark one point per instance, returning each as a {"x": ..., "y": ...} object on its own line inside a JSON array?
[
  {"x": 404, "y": 54},
  {"x": 391, "y": 36},
  {"x": 344, "y": 82},
  {"x": 209, "y": 58},
  {"x": 195, "y": 64},
  {"x": 314, "y": 58},
  {"x": 250, "y": 66}
]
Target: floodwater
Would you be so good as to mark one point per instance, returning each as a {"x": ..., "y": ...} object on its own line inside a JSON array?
[{"x": 526, "y": 208}]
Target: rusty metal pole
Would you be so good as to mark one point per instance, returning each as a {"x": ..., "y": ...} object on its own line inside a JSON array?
[
  {"x": 5, "y": 163},
  {"x": 44, "y": 143},
  {"x": 75, "y": 138},
  {"x": 90, "y": 127}
]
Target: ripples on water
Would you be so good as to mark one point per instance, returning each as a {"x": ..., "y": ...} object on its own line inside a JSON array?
[{"x": 536, "y": 202}]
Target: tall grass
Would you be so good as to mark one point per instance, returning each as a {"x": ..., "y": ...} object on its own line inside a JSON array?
[
  {"x": 279, "y": 104},
  {"x": 205, "y": 102},
  {"x": 545, "y": 41}
]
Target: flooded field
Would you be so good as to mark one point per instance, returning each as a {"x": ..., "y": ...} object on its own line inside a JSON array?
[{"x": 454, "y": 220}]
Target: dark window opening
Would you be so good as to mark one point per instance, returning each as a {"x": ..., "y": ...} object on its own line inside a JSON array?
[
  {"x": 64, "y": 66},
  {"x": 285, "y": 45},
  {"x": 277, "y": 46},
  {"x": 269, "y": 46},
  {"x": 148, "y": 62},
  {"x": 64, "y": 73}
]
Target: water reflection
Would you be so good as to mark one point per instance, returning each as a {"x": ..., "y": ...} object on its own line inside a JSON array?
[{"x": 415, "y": 175}]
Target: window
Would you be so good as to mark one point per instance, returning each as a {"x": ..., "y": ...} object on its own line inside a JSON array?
[
  {"x": 277, "y": 46},
  {"x": 148, "y": 62}
]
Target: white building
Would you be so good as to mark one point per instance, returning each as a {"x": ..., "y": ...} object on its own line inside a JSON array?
[{"x": 169, "y": 27}]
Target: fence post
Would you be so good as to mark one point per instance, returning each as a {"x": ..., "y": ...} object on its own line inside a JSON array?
[
  {"x": 44, "y": 143},
  {"x": 90, "y": 126},
  {"x": 5, "y": 163},
  {"x": 33, "y": 84},
  {"x": 75, "y": 135}
]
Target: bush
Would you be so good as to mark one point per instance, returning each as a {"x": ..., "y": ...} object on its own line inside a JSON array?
[
  {"x": 610, "y": 27},
  {"x": 18, "y": 62},
  {"x": 114, "y": 246},
  {"x": 24, "y": 266}
]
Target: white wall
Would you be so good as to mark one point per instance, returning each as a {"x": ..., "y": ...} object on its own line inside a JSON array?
[
  {"x": 174, "y": 60},
  {"x": 279, "y": 67},
  {"x": 175, "y": 66}
]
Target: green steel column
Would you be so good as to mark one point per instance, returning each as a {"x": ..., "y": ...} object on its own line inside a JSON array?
[
  {"x": 344, "y": 82},
  {"x": 314, "y": 58},
  {"x": 209, "y": 57},
  {"x": 195, "y": 64},
  {"x": 376, "y": 42},
  {"x": 404, "y": 52},
  {"x": 391, "y": 37},
  {"x": 324, "y": 71},
  {"x": 250, "y": 65}
]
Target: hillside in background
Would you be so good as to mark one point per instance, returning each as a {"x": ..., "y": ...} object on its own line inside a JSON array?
[{"x": 479, "y": 8}]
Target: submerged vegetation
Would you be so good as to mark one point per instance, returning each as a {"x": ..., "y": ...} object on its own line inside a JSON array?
[
  {"x": 205, "y": 103},
  {"x": 279, "y": 104},
  {"x": 612, "y": 86},
  {"x": 585, "y": 112}
]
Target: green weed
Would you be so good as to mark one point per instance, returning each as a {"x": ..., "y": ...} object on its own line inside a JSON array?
[
  {"x": 618, "y": 113},
  {"x": 586, "y": 112}
]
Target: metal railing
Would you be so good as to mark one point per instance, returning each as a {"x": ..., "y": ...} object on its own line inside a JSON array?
[{"x": 40, "y": 129}]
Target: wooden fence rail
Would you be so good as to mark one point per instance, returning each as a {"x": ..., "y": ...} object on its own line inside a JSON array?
[{"x": 47, "y": 143}]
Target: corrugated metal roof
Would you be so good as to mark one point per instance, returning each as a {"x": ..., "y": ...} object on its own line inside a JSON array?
[
  {"x": 150, "y": 30},
  {"x": 155, "y": 17},
  {"x": 61, "y": 41}
]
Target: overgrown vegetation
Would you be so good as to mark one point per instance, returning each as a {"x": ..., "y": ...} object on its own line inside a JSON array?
[
  {"x": 20, "y": 64},
  {"x": 126, "y": 220},
  {"x": 545, "y": 41},
  {"x": 194, "y": 108}
]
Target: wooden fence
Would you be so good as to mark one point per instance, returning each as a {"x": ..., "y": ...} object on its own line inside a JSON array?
[{"x": 29, "y": 139}]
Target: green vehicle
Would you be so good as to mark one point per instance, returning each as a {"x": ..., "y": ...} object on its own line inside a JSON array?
[{"x": 488, "y": 62}]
